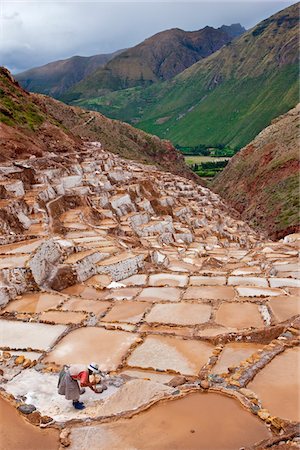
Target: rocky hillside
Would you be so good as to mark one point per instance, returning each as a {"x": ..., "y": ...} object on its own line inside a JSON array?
[
  {"x": 58, "y": 76},
  {"x": 262, "y": 180},
  {"x": 158, "y": 58},
  {"x": 226, "y": 98},
  {"x": 35, "y": 125}
]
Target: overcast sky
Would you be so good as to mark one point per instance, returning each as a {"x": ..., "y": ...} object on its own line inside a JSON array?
[{"x": 33, "y": 33}]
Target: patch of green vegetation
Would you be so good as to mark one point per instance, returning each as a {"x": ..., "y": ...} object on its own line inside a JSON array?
[
  {"x": 19, "y": 112},
  {"x": 285, "y": 196},
  {"x": 220, "y": 150},
  {"x": 6, "y": 119},
  {"x": 208, "y": 168},
  {"x": 70, "y": 97},
  {"x": 206, "y": 173}
]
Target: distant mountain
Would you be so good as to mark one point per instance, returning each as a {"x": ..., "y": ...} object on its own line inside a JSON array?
[
  {"x": 158, "y": 58},
  {"x": 36, "y": 125},
  {"x": 233, "y": 30},
  {"x": 58, "y": 76},
  {"x": 262, "y": 180},
  {"x": 226, "y": 98}
]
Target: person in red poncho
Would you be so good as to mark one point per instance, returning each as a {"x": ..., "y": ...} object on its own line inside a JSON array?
[{"x": 73, "y": 379}]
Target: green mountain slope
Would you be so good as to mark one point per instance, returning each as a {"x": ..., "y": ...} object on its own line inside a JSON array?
[
  {"x": 58, "y": 76},
  {"x": 225, "y": 98},
  {"x": 158, "y": 58}
]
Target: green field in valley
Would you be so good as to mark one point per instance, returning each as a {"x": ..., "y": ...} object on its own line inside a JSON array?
[
  {"x": 206, "y": 166},
  {"x": 203, "y": 159}
]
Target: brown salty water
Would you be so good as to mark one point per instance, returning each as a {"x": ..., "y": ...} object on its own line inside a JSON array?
[
  {"x": 199, "y": 421},
  {"x": 278, "y": 385},
  {"x": 18, "y": 434}
]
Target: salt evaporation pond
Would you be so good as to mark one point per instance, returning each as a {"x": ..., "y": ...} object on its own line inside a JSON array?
[
  {"x": 277, "y": 385},
  {"x": 35, "y": 303},
  {"x": 199, "y": 421},
  {"x": 106, "y": 347},
  {"x": 233, "y": 354},
  {"x": 168, "y": 353},
  {"x": 22, "y": 335},
  {"x": 17, "y": 434},
  {"x": 182, "y": 313}
]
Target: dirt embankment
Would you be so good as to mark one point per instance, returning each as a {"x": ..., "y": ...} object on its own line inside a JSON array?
[
  {"x": 36, "y": 125},
  {"x": 262, "y": 180}
]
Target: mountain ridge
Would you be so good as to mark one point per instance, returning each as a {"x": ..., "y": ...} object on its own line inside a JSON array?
[
  {"x": 55, "y": 77},
  {"x": 226, "y": 98},
  {"x": 159, "y": 57}
]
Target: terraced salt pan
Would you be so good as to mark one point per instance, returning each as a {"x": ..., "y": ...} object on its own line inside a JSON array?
[
  {"x": 135, "y": 280},
  {"x": 248, "y": 281},
  {"x": 233, "y": 354},
  {"x": 63, "y": 317},
  {"x": 286, "y": 267},
  {"x": 37, "y": 229},
  {"x": 210, "y": 293},
  {"x": 83, "y": 291},
  {"x": 146, "y": 374},
  {"x": 277, "y": 385},
  {"x": 258, "y": 292},
  {"x": 167, "y": 329},
  {"x": 105, "y": 347},
  {"x": 78, "y": 256},
  {"x": 83, "y": 234},
  {"x": 130, "y": 312},
  {"x": 180, "y": 266},
  {"x": 237, "y": 254},
  {"x": 22, "y": 335},
  {"x": 182, "y": 313},
  {"x": 170, "y": 353},
  {"x": 247, "y": 270},
  {"x": 11, "y": 262},
  {"x": 132, "y": 395},
  {"x": 121, "y": 294},
  {"x": 99, "y": 281},
  {"x": 284, "y": 282},
  {"x": 157, "y": 294},
  {"x": 168, "y": 279},
  {"x": 35, "y": 303},
  {"x": 239, "y": 315},
  {"x": 75, "y": 226},
  {"x": 207, "y": 281},
  {"x": 96, "y": 240},
  {"x": 186, "y": 423},
  {"x": 285, "y": 307},
  {"x": 91, "y": 306},
  {"x": 71, "y": 215},
  {"x": 21, "y": 247}
]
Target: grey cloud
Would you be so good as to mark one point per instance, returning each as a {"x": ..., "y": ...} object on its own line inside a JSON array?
[
  {"x": 11, "y": 16},
  {"x": 34, "y": 33}
]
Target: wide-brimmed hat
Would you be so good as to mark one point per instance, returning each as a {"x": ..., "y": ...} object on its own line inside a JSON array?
[{"x": 93, "y": 367}]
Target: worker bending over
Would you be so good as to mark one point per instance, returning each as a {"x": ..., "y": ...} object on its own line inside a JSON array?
[{"x": 73, "y": 379}]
